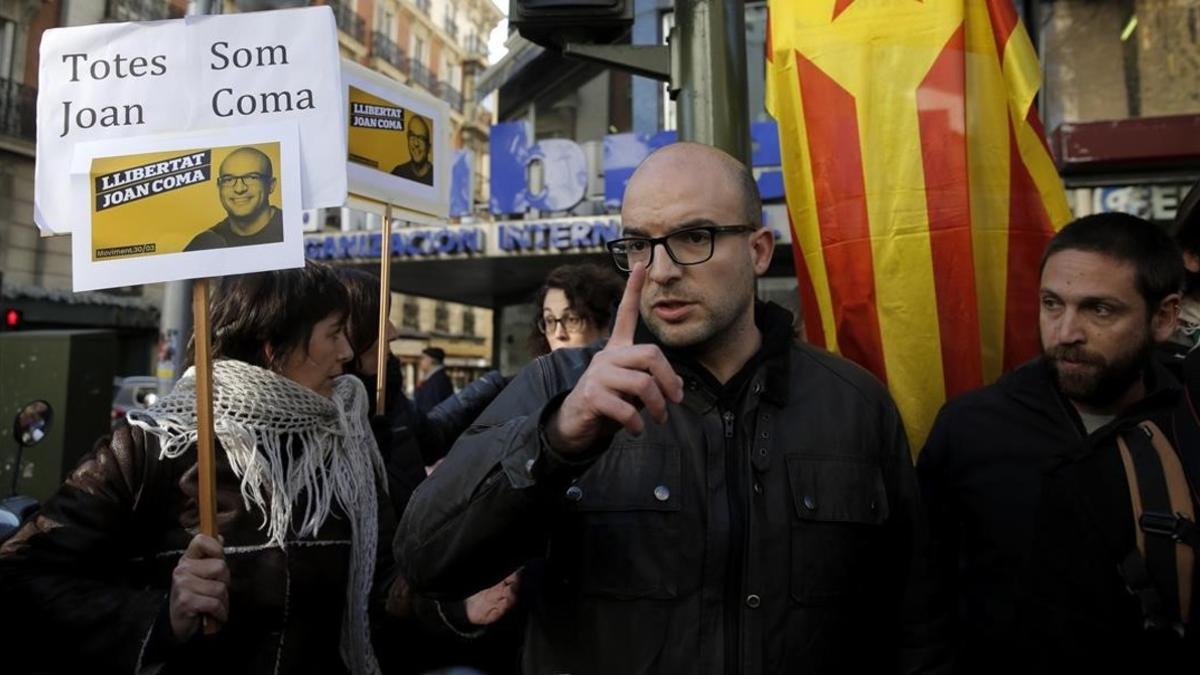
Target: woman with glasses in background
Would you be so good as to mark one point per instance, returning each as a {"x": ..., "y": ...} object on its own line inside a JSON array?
[{"x": 575, "y": 307}]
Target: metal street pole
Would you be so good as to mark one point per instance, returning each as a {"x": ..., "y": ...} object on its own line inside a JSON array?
[
  {"x": 711, "y": 70},
  {"x": 705, "y": 65},
  {"x": 175, "y": 322},
  {"x": 174, "y": 328}
]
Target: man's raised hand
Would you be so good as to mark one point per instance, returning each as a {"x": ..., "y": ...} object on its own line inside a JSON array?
[{"x": 622, "y": 379}]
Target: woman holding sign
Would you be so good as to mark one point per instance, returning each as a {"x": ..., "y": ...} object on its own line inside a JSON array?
[{"x": 112, "y": 566}]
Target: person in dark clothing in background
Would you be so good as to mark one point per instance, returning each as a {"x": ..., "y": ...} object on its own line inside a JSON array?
[
  {"x": 403, "y": 462},
  {"x": 435, "y": 384},
  {"x": 409, "y": 440},
  {"x": 1186, "y": 337},
  {"x": 1109, "y": 292},
  {"x": 575, "y": 306},
  {"x": 708, "y": 495},
  {"x": 406, "y": 439}
]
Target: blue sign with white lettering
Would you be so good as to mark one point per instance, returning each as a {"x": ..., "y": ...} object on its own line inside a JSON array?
[
  {"x": 564, "y": 171},
  {"x": 564, "y": 167},
  {"x": 557, "y": 236},
  {"x": 622, "y": 154},
  {"x": 407, "y": 243}
]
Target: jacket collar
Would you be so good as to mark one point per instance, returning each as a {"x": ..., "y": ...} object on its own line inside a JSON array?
[
  {"x": 1032, "y": 385},
  {"x": 775, "y": 325}
]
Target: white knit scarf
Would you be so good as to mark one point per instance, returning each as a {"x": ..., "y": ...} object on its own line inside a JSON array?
[{"x": 286, "y": 442}]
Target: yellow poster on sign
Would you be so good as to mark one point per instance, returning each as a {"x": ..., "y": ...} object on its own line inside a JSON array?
[
  {"x": 390, "y": 137},
  {"x": 186, "y": 200}
]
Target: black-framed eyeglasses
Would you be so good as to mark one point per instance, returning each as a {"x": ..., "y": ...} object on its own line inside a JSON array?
[
  {"x": 690, "y": 246},
  {"x": 548, "y": 324},
  {"x": 249, "y": 180}
]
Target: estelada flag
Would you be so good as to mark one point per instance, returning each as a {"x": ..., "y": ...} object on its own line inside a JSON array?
[{"x": 920, "y": 188}]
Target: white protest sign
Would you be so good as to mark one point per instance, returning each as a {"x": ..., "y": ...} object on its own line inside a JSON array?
[
  {"x": 125, "y": 80},
  {"x": 398, "y": 142},
  {"x": 186, "y": 206}
]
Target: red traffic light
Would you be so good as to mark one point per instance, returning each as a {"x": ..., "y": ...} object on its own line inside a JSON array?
[{"x": 12, "y": 318}]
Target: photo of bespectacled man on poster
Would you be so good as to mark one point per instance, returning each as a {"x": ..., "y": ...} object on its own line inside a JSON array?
[
  {"x": 390, "y": 137},
  {"x": 245, "y": 183},
  {"x": 186, "y": 206},
  {"x": 190, "y": 200},
  {"x": 419, "y": 167}
]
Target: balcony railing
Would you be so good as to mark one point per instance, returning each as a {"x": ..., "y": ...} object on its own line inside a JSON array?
[
  {"x": 452, "y": 96},
  {"x": 479, "y": 115},
  {"x": 476, "y": 46},
  {"x": 383, "y": 48},
  {"x": 422, "y": 76},
  {"x": 451, "y": 28},
  {"x": 423, "y": 5},
  {"x": 18, "y": 110},
  {"x": 348, "y": 20},
  {"x": 137, "y": 10}
]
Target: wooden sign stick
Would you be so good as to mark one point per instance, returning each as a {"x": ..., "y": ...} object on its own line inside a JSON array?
[
  {"x": 205, "y": 456},
  {"x": 385, "y": 296}
]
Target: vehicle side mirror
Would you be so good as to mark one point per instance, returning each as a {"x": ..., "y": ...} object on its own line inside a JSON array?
[{"x": 32, "y": 423}]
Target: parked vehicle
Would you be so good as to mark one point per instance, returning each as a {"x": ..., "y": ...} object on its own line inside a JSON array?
[{"x": 132, "y": 393}]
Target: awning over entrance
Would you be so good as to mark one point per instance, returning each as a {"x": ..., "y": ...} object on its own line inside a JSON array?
[{"x": 496, "y": 264}]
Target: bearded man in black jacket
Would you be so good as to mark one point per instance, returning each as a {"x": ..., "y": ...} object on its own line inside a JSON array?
[{"x": 1109, "y": 293}]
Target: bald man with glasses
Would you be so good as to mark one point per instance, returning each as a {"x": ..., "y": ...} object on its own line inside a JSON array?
[
  {"x": 245, "y": 183},
  {"x": 419, "y": 166},
  {"x": 707, "y": 495}
]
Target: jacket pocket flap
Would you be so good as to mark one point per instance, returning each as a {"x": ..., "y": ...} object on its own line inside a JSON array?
[
  {"x": 837, "y": 490},
  {"x": 631, "y": 476}
]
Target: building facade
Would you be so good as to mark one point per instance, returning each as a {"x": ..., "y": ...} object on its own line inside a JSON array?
[{"x": 1121, "y": 101}]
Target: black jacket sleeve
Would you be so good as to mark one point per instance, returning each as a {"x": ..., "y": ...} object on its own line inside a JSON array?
[
  {"x": 487, "y": 508},
  {"x": 450, "y": 418},
  {"x": 935, "y": 477},
  {"x": 61, "y": 573},
  {"x": 415, "y": 440}
]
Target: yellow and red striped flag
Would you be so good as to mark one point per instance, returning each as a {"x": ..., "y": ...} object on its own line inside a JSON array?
[{"x": 919, "y": 185}]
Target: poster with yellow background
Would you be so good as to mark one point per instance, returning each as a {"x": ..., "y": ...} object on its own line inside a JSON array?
[
  {"x": 390, "y": 138},
  {"x": 187, "y": 200}
]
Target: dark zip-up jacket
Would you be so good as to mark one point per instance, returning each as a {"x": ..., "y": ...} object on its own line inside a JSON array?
[
  {"x": 771, "y": 525},
  {"x": 981, "y": 474},
  {"x": 1078, "y": 612}
]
